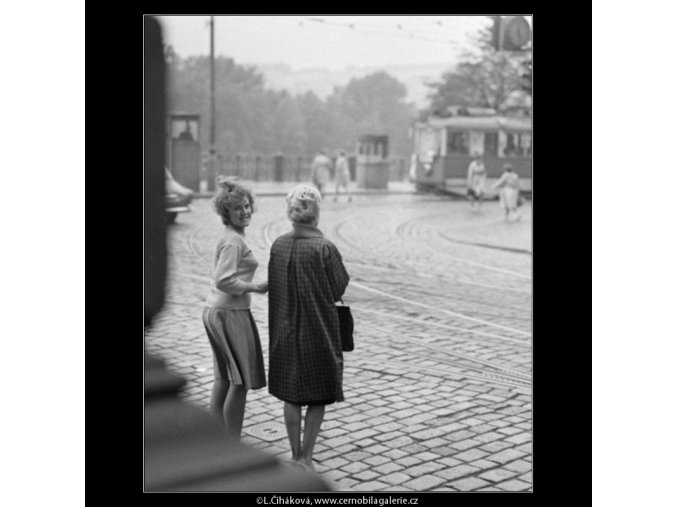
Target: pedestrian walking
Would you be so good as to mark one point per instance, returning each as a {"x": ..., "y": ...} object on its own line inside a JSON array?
[
  {"x": 412, "y": 167},
  {"x": 476, "y": 181},
  {"x": 320, "y": 171},
  {"x": 230, "y": 326},
  {"x": 508, "y": 184},
  {"x": 307, "y": 277},
  {"x": 342, "y": 175}
]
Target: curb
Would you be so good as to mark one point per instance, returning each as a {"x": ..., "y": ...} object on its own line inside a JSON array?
[
  {"x": 457, "y": 194},
  {"x": 276, "y": 193}
]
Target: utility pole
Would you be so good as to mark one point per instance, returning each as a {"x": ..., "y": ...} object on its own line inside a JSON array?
[{"x": 212, "y": 124}]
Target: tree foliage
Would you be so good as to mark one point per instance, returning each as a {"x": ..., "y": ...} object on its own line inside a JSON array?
[
  {"x": 484, "y": 78},
  {"x": 373, "y": 104},
  {"x": 253, "y": 118}
]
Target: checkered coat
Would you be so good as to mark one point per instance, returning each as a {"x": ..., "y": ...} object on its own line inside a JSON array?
[{"x": 306, "y": 277}]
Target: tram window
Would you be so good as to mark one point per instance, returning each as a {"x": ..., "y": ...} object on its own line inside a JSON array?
[
  {"x": 513, "y": 147},
  {"x": 526, "y": 144},
  {"x": 457, "y": 143},
  {"x": 491, "y": 144}
]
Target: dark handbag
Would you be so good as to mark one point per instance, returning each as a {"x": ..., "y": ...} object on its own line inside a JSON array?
[{"x": 346, "y": 325}]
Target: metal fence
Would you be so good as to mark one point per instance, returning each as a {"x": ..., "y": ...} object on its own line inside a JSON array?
[{"x": 284, "y": 167}]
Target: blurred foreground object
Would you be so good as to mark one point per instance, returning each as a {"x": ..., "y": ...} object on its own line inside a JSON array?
[
  {"x": 177, "y": 197},
  {"x": 186, "y": 450},
  {"x": 154, "y": 237}
]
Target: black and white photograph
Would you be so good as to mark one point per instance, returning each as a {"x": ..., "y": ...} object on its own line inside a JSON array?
[
  {"x": 338, "y": 253},
  {"x": 315, "y": 273},
  {"x": 311, "y": 274}
]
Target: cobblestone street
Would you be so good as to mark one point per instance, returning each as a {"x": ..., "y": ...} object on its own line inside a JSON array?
[{"x": 438, "y": 388}]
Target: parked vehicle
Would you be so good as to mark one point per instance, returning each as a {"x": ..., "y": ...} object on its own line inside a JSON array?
[{"x": 177, "y": 197}]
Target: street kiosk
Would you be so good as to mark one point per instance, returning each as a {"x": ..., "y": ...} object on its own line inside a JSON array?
[
  {"x": 373, "y": 166},
  {"x": 184, "y": 149}
]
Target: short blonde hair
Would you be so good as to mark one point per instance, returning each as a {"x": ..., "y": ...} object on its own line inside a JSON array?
[{"x": 303, "y": 204}]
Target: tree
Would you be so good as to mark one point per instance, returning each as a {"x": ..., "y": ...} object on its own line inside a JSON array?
[
  {"x": 317, "y": 122},
  {"x": 484, "y": 78},
  {"x": 252, "y": 118},
  {"x": 373, "y": 104},
  {"x": 240, "y": 99},
  {"x": 288, "y": 125}
]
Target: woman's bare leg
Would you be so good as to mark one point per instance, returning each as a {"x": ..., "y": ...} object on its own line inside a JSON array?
[
  {"x": 218, "y": 398},
  {"x": 311, "y": 428},
  {"x": 233, "y": 410},
  {"x": 292, "y": 420}
]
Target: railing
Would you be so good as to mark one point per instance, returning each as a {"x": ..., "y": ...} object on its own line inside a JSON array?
[{"x": 285, "y": 167}]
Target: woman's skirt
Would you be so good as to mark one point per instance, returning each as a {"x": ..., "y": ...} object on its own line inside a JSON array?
[
  {"x": 509, "y": 197},
  {"x": 236, "y": 345}
]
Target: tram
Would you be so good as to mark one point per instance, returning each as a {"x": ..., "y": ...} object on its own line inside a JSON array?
[{"x": 444, "y": 147}]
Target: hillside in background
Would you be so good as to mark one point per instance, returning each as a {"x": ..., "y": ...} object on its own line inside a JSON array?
[
  {"x": 322, "y": 81},
  {"x": 254, "y": 117}
]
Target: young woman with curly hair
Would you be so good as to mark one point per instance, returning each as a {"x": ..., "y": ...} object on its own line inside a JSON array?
[{"x": 230, "y": 326}]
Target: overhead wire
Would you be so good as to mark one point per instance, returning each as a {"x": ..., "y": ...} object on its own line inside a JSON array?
[
  {"x": 361, "y": 28},
  {"x": 382, "y": 30},
  {"x": 424, "y": 23},
  {"x": 409, "y": 29}
]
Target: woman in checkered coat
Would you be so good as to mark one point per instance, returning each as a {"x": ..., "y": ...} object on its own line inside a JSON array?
[
  {"x": 232, "y": 332},
  {"x": 306, "y": 277}
]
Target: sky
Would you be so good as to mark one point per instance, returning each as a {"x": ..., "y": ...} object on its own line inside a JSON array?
[{"x": 332, "y": 42}]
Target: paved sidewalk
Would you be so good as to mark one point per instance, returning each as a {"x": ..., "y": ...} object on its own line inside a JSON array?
[
  {"x": 455, "y": 186},
  {"x": 272, "y": 188},
  {"x": 459, "y": 187},
  {"x": 438, "y": 388}
]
